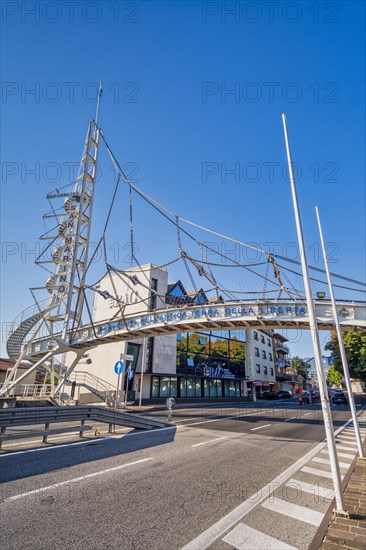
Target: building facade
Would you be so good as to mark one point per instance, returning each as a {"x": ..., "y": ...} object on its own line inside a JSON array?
[
  {"x": 189, "y": 365},
  {"x": 260, "y": 362}
]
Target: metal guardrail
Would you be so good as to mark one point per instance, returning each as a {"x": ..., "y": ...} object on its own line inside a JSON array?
[{"x": 47, "y": 415}]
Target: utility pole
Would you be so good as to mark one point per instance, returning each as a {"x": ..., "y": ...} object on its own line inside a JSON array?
[
  {"x": 341, "y": 343},
  {"x": 327, "y": 417}
]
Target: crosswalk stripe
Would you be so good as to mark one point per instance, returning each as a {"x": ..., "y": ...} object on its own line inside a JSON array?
[
  {"x": 345, "y": 448},
  {"x": 325, "y": 461},
  {"x": 244, "y": 537},
  {"x": 316, "y": 472},
  {"x": 309, "y": 488},
  {"x": 294, "y": 511},
  {"x": 343, "y": 455}
]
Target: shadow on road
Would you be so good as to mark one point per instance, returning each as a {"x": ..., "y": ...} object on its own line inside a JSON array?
[{"x": 18, "y": 465}]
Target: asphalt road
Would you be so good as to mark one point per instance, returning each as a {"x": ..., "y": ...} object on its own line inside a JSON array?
[{"x": 188, "y": 485}]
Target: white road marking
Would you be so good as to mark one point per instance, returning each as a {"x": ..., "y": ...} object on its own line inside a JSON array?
[
  {"x": 325, "y": 461},
  {"x": 294, "y": 511},
  {"x": 313, "y": 489},
  {"x": 244, "y": 537},
  {"x": 308, "y": 413},
  {"x": 221, "y": 419},
  {"x": 211, "y": 441},
  {"x": 344, "y": 448},
  {"x": 346, "y": 441},
  {"x": 205, "y": 539},
  {"x": 317, "y": 472},
  {"x": 288, "y": 419},
  {"x": 260, "y": 427},
  {"x": 343, "y": 455},
  {"x": 76, "y": 479}
]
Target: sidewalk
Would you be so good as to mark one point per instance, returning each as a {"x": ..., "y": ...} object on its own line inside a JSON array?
[{"x": 350, "y": 533}]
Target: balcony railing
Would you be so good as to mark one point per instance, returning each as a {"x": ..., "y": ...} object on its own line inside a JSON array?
[{"x": 282, "y": 347}]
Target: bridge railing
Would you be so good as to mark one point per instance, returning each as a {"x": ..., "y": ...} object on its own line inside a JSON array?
[{"x": 30, "y": 390}]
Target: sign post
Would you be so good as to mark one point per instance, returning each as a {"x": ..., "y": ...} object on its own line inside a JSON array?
[{"x": 118, "y": 369}]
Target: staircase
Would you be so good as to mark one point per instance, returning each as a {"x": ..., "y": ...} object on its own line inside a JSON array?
[
  {"x": 92, "y": 383},
  {"x": 23, "y": 324}
]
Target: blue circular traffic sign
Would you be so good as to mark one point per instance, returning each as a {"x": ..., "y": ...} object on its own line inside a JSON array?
[{"x": 118, "y": 367}]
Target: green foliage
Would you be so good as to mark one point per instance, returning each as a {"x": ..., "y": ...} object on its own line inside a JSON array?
[
  {"x": 334, "y": 376},
  {"x": 299, "y": 365},
  {"x": 355, "y": 345}
]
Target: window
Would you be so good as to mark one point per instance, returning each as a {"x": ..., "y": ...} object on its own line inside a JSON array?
[
  {"x": 256, "y": 352},
  {"x": 268, "y": 341},
  {"x": 153, "y": 293},
  {"x": 271, "y": 371},
  {"x": 262, "y": 339},
  {"x": 264, "y": 355},
  {"x": 270, "y": 356},
  {"x": 166, "y": 386},
  {"x": 255, "y": 335},
  {"x": 258, "y": 368},
  {"x": 265, "y": 370}
]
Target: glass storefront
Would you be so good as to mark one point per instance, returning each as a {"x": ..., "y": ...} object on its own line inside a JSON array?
[
  {"x": 173, "y": 386},
  {"x": 199, "y": 353}
]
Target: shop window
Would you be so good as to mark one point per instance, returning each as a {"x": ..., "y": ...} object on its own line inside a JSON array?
[{"x": 154, "y": 387}]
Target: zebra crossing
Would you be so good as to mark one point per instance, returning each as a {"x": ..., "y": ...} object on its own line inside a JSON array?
[{"x": 304, "y": 499}]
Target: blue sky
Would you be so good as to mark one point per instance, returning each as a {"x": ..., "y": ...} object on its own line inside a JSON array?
[{"x": 190, "y": 92}]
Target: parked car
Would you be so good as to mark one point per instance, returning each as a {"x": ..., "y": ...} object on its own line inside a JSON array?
[
  {"x": 284, "y": 394},
  {"x": 270, "y": 395},
  {"x": 339, "y": 397}
]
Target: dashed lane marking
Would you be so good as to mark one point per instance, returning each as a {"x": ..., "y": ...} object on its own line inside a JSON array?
[
  {"x": 211, "y": 441},
  {"x": 77, "y": 479},
  {"x": 260, "y": 427}
]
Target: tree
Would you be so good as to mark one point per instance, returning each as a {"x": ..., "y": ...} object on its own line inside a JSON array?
[
  {"x": 300, "y": 366},
  {"x": 355, "y": 345},
  {"x": 334, "y": 376}
]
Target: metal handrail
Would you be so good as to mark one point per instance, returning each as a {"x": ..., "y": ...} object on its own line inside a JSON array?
[{"x": 47, "y": 415}]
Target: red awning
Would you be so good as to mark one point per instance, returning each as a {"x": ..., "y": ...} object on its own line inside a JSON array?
[
  {"x": 258, "y": 383},
  {"x": 265, "y": 386}
]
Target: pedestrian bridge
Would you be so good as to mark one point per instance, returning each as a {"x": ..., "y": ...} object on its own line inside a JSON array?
[{"x": 276, "y": 314}]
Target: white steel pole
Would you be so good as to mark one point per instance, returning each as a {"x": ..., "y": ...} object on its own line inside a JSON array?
[
  {"x": 144, "y": 350},
  {"x": 341, "y": 344},
  {"x": 327, "y": 418}
]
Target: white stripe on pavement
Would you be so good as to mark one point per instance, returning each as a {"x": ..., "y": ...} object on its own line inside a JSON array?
[
  {"x": 260, "y": 427},
  {"x": 294, "y": 511},
  {"x": 325, "y": 461},
  {"x": 76, "y": 479},
  {"x": 211, "y": 441},
  {"x": 288, "y": 419},
  {"x": 343, "y": 455},
  {"x": 344, "y": 448},
  {"x": 317, "y": 472},
  {"x": 244, "y": 537},
  {"x": 205, "y": 539},
  {"x": 313, "y": 489}
]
